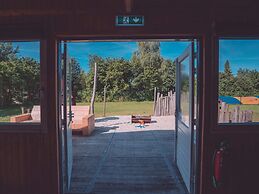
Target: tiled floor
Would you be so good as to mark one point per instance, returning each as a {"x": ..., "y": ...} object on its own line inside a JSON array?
[{"x": 122, "y": 158}]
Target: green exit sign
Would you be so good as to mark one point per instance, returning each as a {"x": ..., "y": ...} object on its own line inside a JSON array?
[{"x": 129, "y": 20}]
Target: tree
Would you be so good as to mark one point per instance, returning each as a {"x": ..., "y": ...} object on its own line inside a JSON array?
[
  {"x": 226, "y": 81},
  {"x": 8, "y": 81},
  {"x": 76, "y": 80},
  {"x": 19, "y": 77},
  {"x": 28, "y": 71},
  {"x": 246, "y": 83},
  {"x": 8, "y": 52},
  {"x": 168, "y": 75},
  {"x": 133, "y": 79},
  {"x": 118, "y": 79},
  {"x": 7, "y": 75},
  {"x": 148, "y": 76}
]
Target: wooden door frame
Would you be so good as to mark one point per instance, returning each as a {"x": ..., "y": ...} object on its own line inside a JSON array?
[
  {"x": 208, "y": 117},
  {"x": 200, "y": 39}
]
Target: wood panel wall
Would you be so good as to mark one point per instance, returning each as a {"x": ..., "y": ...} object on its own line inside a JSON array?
[{"x": 29, "y": 161}]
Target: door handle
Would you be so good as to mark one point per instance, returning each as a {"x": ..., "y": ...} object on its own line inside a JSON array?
[
  {"x": 219, "y": 164},
  {"x": 72, "y": 115}
]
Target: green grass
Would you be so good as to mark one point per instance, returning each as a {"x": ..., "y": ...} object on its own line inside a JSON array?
[
  {"x": 119, "y": 108},
  {"x": 6, "y": 113},
  {"x": 254, "y": 108},
  {"x": 123, "y": 108}
]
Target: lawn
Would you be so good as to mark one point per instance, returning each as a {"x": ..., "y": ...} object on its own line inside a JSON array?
[
  {"x": 254, "y": 108},
  {"x": 119, "y": 108},
  {"x": 6, "y": 113},
  {"x": 112, "y": 108},
  {"x": 123, "y": 108}
]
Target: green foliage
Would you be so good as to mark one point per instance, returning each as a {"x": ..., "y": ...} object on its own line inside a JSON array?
[
  {"x": 118, "y": 79},
  {"x": 147, "y": 60},
  {"x": 7, "y": 52},
  {"x": 245, "y": 83},
  {"x": 226, "y": 81},
  {"x": 168, "y": 75},
  {"x": 133, "y": 79},
  {"x": 125, "y": 80},
  {"x": 19, "y": 77},
  {"x": 78, "y": 81}
]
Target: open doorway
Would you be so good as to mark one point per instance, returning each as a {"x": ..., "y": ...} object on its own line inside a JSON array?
[{"x": 127, "y": 114}]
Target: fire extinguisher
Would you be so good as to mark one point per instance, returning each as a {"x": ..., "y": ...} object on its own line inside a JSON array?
[{"x": 219, "y": 164}]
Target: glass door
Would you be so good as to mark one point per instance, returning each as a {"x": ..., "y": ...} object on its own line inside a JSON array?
[
  {"x": 66, "y": 115},
  {"x": 185, "y": 136}
]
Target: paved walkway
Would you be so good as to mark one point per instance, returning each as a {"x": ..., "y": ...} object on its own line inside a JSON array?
[{"x": 121, "y": 158}]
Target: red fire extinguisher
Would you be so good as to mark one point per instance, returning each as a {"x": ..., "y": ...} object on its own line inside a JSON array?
[{"x": 218, "y": 164}]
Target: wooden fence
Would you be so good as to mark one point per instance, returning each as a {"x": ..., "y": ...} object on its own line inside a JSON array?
[
  {"x": 234, "y": 115},
  {"x": 164, "y": 105}
]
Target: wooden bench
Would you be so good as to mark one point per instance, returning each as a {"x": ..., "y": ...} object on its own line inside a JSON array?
[
  {"x": 82, "y": 123},
  {"x": 138, "y": 119},
  {"x": 34, "y": 116}
]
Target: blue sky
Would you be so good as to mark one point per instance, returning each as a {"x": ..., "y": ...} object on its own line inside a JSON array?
[
  {"x": 240, "y": 53},
  {"x": 28, "y": 49},
  {"x": 81, "y": 50}
]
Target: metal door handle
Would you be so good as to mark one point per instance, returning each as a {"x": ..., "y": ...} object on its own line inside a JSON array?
[{"x": 71, "y": 114}]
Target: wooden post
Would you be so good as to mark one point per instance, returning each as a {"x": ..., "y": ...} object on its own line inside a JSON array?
[
  {"x": 94, "y": 90},
  {"x": 154, "y": 108},
  {"x": 104, "y": 101},
  {"x": 161, "y": 105},
  {"x": 22, "y": 109},
  {"x": 222, "y": 112},
  {"x": 250, "y": 116},
  {"x": 236, "y": 114},
  {"x": 158, "y": 103},
  {"x": 174, "y": 103}
]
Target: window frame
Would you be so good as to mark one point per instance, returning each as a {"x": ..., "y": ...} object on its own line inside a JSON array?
[
  {"x": 183, "y": 57},
  {"x": 229, "y": 127},
  {"x": 30, "y": 127}
]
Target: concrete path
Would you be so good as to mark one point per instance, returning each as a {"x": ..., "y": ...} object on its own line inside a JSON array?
[{"x": 122, "y": 158}]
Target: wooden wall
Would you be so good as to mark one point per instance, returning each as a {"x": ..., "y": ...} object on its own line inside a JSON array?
[{"x": 29, "y": 161}]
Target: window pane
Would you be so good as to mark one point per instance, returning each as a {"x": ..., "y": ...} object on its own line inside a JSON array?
[
  {"x": 185, "y": 88},
  {"x": 238, "y": 81},
  {"x": 19, "y": 81}
]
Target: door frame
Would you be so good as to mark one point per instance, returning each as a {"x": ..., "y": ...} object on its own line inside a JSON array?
[
  {"x": 212, "y": 131},
  {"x": 194, "y": 55},
  {"x": 123, "y": 38},
  {"x": 65, "y": 122}
]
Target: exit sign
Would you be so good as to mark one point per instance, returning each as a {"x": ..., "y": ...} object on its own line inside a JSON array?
[{"x": 129, "y": 20}]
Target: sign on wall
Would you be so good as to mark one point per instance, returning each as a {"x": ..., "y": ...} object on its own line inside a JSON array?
[{"x": 129, "y": 20}]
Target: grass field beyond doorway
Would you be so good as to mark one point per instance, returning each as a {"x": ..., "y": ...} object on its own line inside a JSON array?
[
  {"x": 123, "y": 108},
  {"x": 119, "y": 108}
]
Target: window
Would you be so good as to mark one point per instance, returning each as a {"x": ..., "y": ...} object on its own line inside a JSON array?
[
  {"x": 20, "y": 82},
  {"x": 184, "y": 89},
  {"x": 238, "y": 99}
]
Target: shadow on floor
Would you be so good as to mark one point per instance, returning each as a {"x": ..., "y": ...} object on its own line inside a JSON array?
[
  {"x": 125, "y": 161},
  {"x": 104, "y": 119}
]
